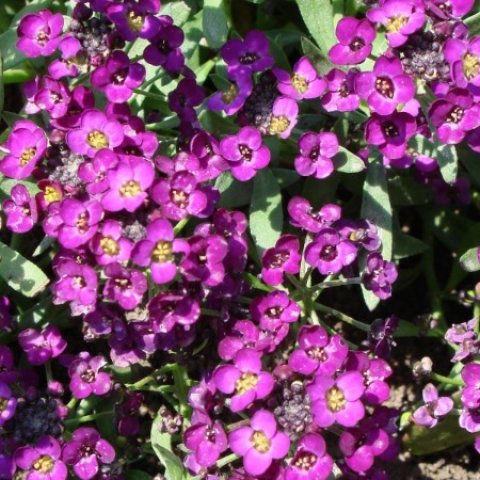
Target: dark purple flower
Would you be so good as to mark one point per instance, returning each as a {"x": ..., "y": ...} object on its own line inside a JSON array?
[
  {"x": 245, "y": 153},
  {"x": 21, "y": 210},
  {"x": 124, "y": 286},
  {"x": 86, "y": 378},
  {"x": 42, "y": 460},
  {"x": 379, "y": 275},
  {"x": 316, "y": 153},
  {"x": 81, "y": 100},
  {"x": 184, "y": 98},
  {"x": 260, "y": 443},
  {"x": 386, "y": 87},
  {"x": 25, "y": 146},
  {"x": 355, "y": 39},
  {"x": 362, "y": 232},
  {"x": 284, "y": 257},
  {"x": 304, "y": 83},
  {"x": 340, "y": 95},
  {"x": 41, "y": 346},
  {"x": 87, "y": 451},
  {"x": 337, "y": 400},
  {"x": 232, "y": 99},
  {"x": 8, "y": 372},
  {"x": 39, "y": 33},
  {"x": 8, "y": 403},
  {"x": 380, "y": 336},
  {"x": 435, "y": 407},
  {"x": 303, "y": 216},
  {"x": 284, "y": 117},
  {"x": 445, "y": 9}
]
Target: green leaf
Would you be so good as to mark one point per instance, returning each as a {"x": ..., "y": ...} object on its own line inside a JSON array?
[
  {"x": 447, "y": 434},
  {"x": 321, "y": 63},
  {"x": 318, "y": 17},
  {"x": 285, "y": 177},
  {"x": 266, "y": 214},
  {"x": 233, "y": 193},
  {"x": 178, "y": 10},
  {"x": 347, "y": 162},
  {"x": 21, "y": 274},
  {"x": 215, "y": 22},
  {"x": 470, "y": 261},
  {"x": 2, "y": 89},
  {"x": 407, "y": 246},
  {"x": 138, "y": 475},
  {"x": 406, "y": 191}
]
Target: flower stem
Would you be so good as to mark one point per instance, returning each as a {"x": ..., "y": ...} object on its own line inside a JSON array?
[
  {"x": 447, "y": 380},
  {"x": 87, "y": 418},
  {"x": 319, "y": 307},
  {"x": 153, "y": 96}
]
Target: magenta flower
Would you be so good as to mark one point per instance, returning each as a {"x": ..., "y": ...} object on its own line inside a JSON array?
[
  {"x": 464, "y": 59},
  {"x": 81, "y": 100},
  {"x": 310, "y": 460},
  {"x": 355, "y": 38},
  {"x": 386, "y": 87},
  {"x": 185, "y": 98},
  {"x": 361, "y": 232},
  {"x": 329, "y": 252},
  {"x": 41, "y": 346},
  {"x": 8, "y": 371},
  {"x": 260, "y": 443},
  {"x": 337, "y": 400},
  {"x": 8, "y": 403},
  {"x": 127, "y": 184},
  {"x": 124, "y": 286},
  {"x": 67, "y": 65},
  {"x": 445, "y": 9},
  {"x": 86, "y": 378},
  {"x": 232, "y": 99},
  {"x": 87, "y": 451},
  {"x": 244, "y": 380},
  {"x": 340, "y": 95},
  {"x": 96, "y": 131},
  {"x": 20, "y": 209},
  {"x": 94, "y": 172},
  {"x": 316, "y": 153},
  {"x": 284, "y": 257},
  {"x": 284, "y": 117},
  {"x": 379, "y": 275},
  {"x": 42, "y": 460},
  {"x": 435, "y": 407},
  {"x": 317, "y": 353},
  {"x": 118, "y": 78},
  {"x": 109, "y": 245},
  {"x": 303, "y": 216},
  {"x": 39, "y": 33},
  {"x": 53, "y": 97},
  {"x": 401, "y": 18},
  {"x": 304, "y": 83},
  {"x": 245, "y": 153},
  {"x": 274, "y": 309},
  {"x": 24, "y": 147},
  {"x": 158, "y": 251}
]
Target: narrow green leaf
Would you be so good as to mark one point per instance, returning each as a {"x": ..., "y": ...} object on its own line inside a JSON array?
[
  {"x": 233, "y": 193},
  {"x": 215, "y": 22},
  {"x": 407, "y": 246},
  {"x": 138, "y": 475},
  {"x": 266, "y": 214},
  {"x": 2, "y": 89},
  {"x": 320, "y": 61},
  {"x": 470, "y": 261},
  {"x": 318, "y": 17},
  {"x": 21, "y": 274},
  {"x": 347, "y": 162}
]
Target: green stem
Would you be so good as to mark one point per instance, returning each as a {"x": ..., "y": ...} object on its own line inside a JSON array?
[
  {"x": 447, "y": 380},
  {"x": 336, "y": 283},
  {"x": 153, "y": 96},
  {"x": 87, "y": 418},
  {"x": 72, "y": 403},
  {"x": 226, "y": 460},
  {"x": 341, "y": 316},
  {"x": 48, "y": 372},
  {"x": 179, "y": 226},
  {"x": 210, "y": 312}
]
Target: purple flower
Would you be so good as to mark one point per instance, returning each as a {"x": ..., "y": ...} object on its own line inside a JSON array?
[
  {"x": 470, "y": 396},
  {"x": 310, "y": 460},
  {"x": 87, "y": 451},
  {"x": 21, "y": 210},
  {"x": 8, "y": 403},
  {"x": 282, "y": 258},
  {"x": 380, "y": 336},
  {"x": 260, "y": 443},
  {"x": 379, "y": 275},
  {"x": 355, "y": 39},
  {"x": 108, "y": 244},
  {"x": 401, "y": 18},
  {"x": 245, "y": 153},
  {"x": 274, "y": 309},
  {"x": 39, "y": 33},
  {"x": 284, "y": 117},
  {"x": 390, "y": 133},
  {"x": 124, "y": 286},
  {"x": 464, "y": 59},
  {"x": 445, "y": 9},
  {"x": 435, "y": 407},
  {"x": 245, "y": 380},
  {"x": 317, "y": 353},
  {"x": 96, "y": 131},
  {"x": 118, "y": 78},
  {"x": 304, "y": 83},
  {"x": 70, "y": 62},
  {"x": 127, "y": 184},
  {"x": 25, "y": 146},
  {"x": 8, "y": 372},
  {"x": 303, "y": 216},
  {"x": 42, "y": 460},
  {"x": 361, "y": 232},
  {"x": 232, "y": 99},
  {"x": 386, "y": 87},
  {"x": 316, "y": 153},
  {"x": 94, "y": 173},
  {"x": 158, "y": 251},
  {"x": 340, "y": 95},
  {"x": 249, "y": 55},
  {"x": 329, "y": 252},
  {"x": 454, "y": 115},
  {"x": 81, "y": 100},
  {"x": 337, "y": 400},
  {"x": 86, "y": 378},
  {"x": 53, "y": 97},
  {"x": 41, "y": 346}
]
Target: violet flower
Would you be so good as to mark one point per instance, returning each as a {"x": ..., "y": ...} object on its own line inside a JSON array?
[
  {"x": 284, "y": 117},
  {"x": 109, "y": 245},
  {"x": 435, "y": 407},
  {"x": 86, "y": 378},
  {"x": 20, "y": 209},
  {"x": 316, "y": 153},
  {"x": 283, "y": 258},
  {"x": 302, "y": 215},
  {"x": 41, "y": 346},
  {"x": 274, "y": 309},
  {"x": 260, "y": 443},
  {"x": 464, "y": 59},
  {"x": 8, "y": 403},
  {"x": 124, "y": 286},
  {"x": 340, "y": 94},
  {"x": 379, "y": 275}
]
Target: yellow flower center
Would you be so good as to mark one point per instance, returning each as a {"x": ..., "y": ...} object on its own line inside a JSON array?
[
  {"x": 260, "y": 442},
  {"x": 230, "y": 95},
  {"x": 335, "y": 399},
  {"x": 130, "y": 189},
  {"x": 135, "y": 22},
  {"x": 304, "y": 461},
  {"x": 51, "y": 194},
  {"x": 395, "y": 23},
  {"x": 109, "y": 246},
  {"x": 44, "y": 464},
  {"x": 278, "y": 125},
  {"x": 97, "y": 139},
  {"x": 245, "y": 383},
  {"x": 162, "y": 252},
  {"x": 299, "y": 83},
  {"x": 27, "y": 155},
  {"x": 471, "y": 65},
  {"x": 179, "y": 198},
  {"x": 3, "y": 404},
  {"x": 82, "y": 222}
]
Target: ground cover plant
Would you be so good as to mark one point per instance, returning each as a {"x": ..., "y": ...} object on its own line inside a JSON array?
[{"x": 239, "y": 239}]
